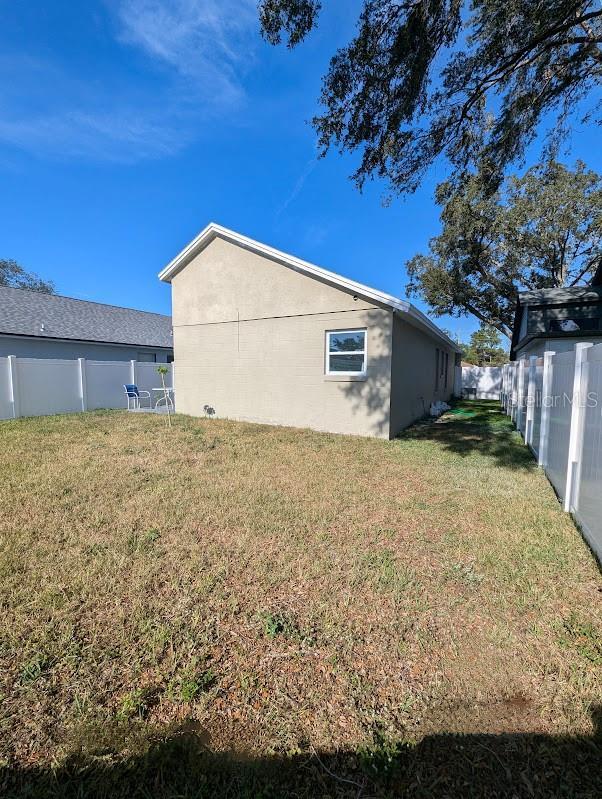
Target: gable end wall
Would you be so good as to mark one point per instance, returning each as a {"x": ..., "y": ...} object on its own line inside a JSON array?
[{"x": 249, "y": 343}]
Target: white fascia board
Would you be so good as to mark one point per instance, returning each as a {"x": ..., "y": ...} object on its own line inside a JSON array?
[{"x": 213, "y": 230}]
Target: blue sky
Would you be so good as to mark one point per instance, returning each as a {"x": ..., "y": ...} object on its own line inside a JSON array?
[{"x": 127, "y": 125}]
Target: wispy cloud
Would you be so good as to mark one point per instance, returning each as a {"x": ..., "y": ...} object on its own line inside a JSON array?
[
  {"x": 208, "y": 42},
  {"x": 49, "y": 111},
  {"x": 119, "y": 136},
  {"x": 198, "y": 53},
  {"x": 300, "y": 182}
]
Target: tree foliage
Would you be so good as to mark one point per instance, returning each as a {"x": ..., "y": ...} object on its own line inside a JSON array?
[
  {"x": 541, "y": 230},
  {"x": 472, "y": 81},
  {"x": 13, "y": 275},
  {"x": 295, "y": 19},
  {"x": 485, "y": 348}
]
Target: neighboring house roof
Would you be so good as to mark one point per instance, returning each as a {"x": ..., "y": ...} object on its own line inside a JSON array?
[
  {"x": 213, "y": 230},
  {"x": 572, "y": 294},
  {"x": 31, "y": 313}
]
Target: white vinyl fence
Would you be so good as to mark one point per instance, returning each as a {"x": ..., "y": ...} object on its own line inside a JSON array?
[
  {"x": 43, "y": 386},
  {"x": 482, "y": 382},
  {"x": 556, "y": 403}
]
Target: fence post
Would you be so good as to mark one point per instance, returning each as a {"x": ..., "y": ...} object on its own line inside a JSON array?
[
  {"x": 13, "y": 386},
  {"x": 133, "y": 373},
  {"x": 577, "y": 410},
  {"x": 520, "y": 394},
  {"x": 530, "y": 400},
  {"x": 508, "y": 402},
  {"x": 514, "y": 390},
  {"x": 546, "y": 396},
  {"x": 83, "y": 389},
  {"x": 515, "y": 393}
]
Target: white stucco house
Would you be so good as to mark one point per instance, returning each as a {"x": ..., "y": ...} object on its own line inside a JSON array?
[{"x": 263, "y": 336}]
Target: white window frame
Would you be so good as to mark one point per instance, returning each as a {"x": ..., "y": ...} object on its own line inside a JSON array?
[{"x": 363, "y": 352}]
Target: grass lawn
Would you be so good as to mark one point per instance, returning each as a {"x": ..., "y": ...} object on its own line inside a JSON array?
[{"x": 234, "y": 610}]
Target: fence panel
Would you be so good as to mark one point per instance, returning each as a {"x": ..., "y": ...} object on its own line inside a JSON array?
[
  {"x": 104, "y": 383},
  {"x": 563, "y": 372},
  {"x": 588, "y": 504},
  {"x": 482, "y": 382},
  {"x": 507, "y": 394},
  {"x": 552, "y": 417},
  {"x": 514, "y": 392},
  {"x": 6, "y": 407},
  {"x": 48, "y": 386},
  {"x": 522, "y": 386},
  {"x": 148, "y": 378},
  {"x": 536, "y": 412}
]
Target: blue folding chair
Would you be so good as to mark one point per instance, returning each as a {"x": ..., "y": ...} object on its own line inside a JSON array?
[{"x": 134, "y": 395}]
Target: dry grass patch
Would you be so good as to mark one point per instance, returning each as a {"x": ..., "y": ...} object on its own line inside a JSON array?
[{"x": 306, "y": 603}]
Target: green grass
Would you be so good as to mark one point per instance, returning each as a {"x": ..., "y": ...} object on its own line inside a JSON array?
[{"x": 228, "y": 609}]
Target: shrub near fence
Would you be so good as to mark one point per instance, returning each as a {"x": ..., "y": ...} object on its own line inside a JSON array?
[
  {"x": 43, "y": 386},
  {"x": 556, "y": 402}
]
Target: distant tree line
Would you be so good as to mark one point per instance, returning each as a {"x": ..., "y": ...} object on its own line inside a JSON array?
[{"x": 485, "y": 348}]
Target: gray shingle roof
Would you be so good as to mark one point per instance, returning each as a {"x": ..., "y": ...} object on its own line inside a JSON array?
[
  {"x": 30, "y": 313},
  {"x": 554, "y": 296}
]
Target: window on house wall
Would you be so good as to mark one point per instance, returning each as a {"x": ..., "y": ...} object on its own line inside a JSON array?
[
  {"x": 346, "y": 352},
  {"x": 446, "y": 372},
  {"x": 147, "y": 357},
  {"x": 437, "y": 367}
]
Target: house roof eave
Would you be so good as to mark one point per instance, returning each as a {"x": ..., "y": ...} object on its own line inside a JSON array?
[{"x": 213, "y": 230}]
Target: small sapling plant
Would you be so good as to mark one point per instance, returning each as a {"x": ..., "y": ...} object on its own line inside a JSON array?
[{"x": 162, "y": 370}]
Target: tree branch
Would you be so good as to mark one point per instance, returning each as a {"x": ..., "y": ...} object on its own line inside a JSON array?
[
  {"x": 499, "y": 74},
  {"x": 499, "y": 326}
]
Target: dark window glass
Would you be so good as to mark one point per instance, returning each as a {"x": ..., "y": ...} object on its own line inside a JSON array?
[{"x": 573, "y": 325}]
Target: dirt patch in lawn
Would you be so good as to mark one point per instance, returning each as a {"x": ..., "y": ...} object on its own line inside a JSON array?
[{"x": 275, "y": 607}]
